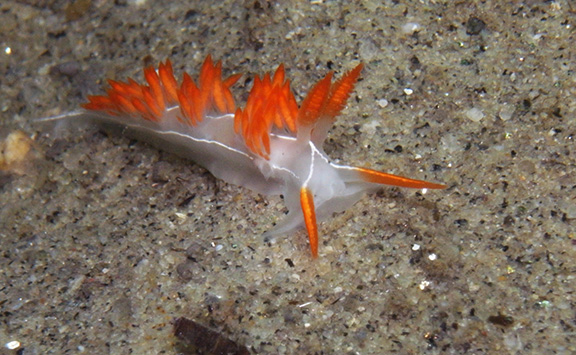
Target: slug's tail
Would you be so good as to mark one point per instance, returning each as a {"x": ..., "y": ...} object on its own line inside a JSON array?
[{"x": 61, "y": 124}]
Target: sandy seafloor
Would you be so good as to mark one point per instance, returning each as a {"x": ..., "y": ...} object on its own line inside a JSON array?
[{"x": 105, "y": 240}]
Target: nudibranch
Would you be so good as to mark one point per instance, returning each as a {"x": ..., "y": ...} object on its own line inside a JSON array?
[{"x": 271, "y": 145}]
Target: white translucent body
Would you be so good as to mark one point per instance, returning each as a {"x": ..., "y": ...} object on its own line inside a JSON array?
[{"x": 294, "y": 162}]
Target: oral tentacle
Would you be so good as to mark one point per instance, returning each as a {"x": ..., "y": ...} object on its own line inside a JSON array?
[
  {"x": 378, "y": 177},
  {"x": 309, "y": 212}
]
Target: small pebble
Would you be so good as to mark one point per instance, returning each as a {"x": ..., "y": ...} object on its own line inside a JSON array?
[
  {"x": 474, "y": 114},
  {"x": 382, "y": 103},
  {"x": 69, "y": 68},
  {"x": 506, "y": 112},
  {"x": 410, "y": 27},
  {"x": 13, "y": 345},
  {"x": 474, "y": 26}
]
